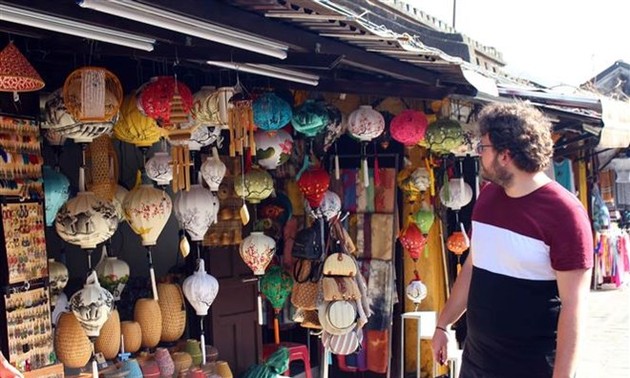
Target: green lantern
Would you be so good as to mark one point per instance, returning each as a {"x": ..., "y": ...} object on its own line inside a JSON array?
[
  {"x": 256, "y": 186},
  {"x": 424, "y": 218},
  {"x": 276, "y": 286},
  {"x": 443, "y": 135},
  {"x": 310, "y": 118}
]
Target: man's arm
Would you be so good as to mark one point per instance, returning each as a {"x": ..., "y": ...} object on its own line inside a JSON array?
[
  {"x": 453, "y": 310},
  {"x": 573, "y": 287}
]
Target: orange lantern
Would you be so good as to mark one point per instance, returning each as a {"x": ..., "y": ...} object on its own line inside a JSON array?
[
  {"x": 413, "y": 241},
  {"x": 458, "y": 244},
  {"x": 313, "y": 184}
]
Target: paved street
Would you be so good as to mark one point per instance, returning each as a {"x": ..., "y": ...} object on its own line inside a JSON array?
[{"x": 606, "y": 351}]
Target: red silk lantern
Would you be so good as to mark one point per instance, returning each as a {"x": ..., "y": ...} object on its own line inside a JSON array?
[
  {"x": 155, "y": 98},
  {"x": 313, "y": 184},
  {"x": 458, "y": 244},
  {"x": 413, "y": 241},
  {"x": 408, "y": 127}
]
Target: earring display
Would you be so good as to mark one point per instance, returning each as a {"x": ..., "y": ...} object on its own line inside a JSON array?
[
  {"x": 29, "y": 329},
  {"x": 25, "y": 243}
]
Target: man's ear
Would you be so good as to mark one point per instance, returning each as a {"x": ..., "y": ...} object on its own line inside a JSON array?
[{"x": 505, "y": 157}]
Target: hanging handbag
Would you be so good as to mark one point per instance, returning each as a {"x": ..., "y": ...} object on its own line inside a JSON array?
[
  {"x": 340, "y": 288},
  {"x": 304, "y": 295},
  {"x": 343, "y": 345},
  {"x": 340, "y": 264}
]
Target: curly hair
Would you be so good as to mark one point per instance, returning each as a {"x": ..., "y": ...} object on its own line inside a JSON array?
[{"x": 521, "y": 129}]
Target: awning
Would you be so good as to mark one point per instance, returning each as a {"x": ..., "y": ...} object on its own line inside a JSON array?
[{"x": 616, "y": 119}]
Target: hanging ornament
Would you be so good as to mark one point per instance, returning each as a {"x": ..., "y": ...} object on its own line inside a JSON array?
[
  {"x": 257, "y": 250},
  {"x": 196, "y": 210},
  {"x": 57, "y": 279},
  {"x": 255, "y": 186},
  {"x": 456, "y": 194},
  {"x": 134, "y": 127},
  {"x": 443, "y": 135},
  {"x": 456, "y": 243},
  {"x": 155, "y": 99},
  {"x": 276, "y": 286},
  {"x": 213, "y": 170},
  {"x": 159, "y": 168},
  {"x": 16, "y": 73},
  {"x": 329, "y": 208},
  {"x": 313, "y": 184},
  {"x": 408, "y": 127},
  {"x": 416, "y": 291},
  {"x": 271, "y": 112},
  {"x": 424, "y": 218},
  {"x": 56, "y": 192},
  {"x": 241, "y": 125},
  {"x": 310, "y": 118},
  {"x": 365, "y": 123},
  {"x": 273, "y": 148},
  {"x": 412, "y": 241},
  {"x": 101, "y": 171},
  {"x": 113, "y": 274},
  {"x": 201, "y": 136},
  {"x": 205, "y": 107}
]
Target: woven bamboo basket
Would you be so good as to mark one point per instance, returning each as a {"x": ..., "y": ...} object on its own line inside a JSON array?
[
  {"x": 148, "y": 314},
  {"x": 173, "y": 311},
  {"x": 101, "y": 168},
  {"x": 72, "y": 346},
  {"x": 183, "y": 362},
  {"x": 92, "y": 94},
  {"x": 133, "y": 335},
  {"x": 108, "y": 341}
]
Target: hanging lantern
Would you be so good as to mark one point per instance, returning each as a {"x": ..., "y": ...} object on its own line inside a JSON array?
[
  {"x": 313, "y": 184},
  {"x": 276, "y": 286},
  {"x": 271, "y": 112},
  {"x": 424, "y": 218},
  {"x": 335, "y": 127},
  {"x": 118, "y": 199},
  {"x": 92, "y": 94},
  {"x": 56, "y": 192},
  {"x": 457, "y": 243},
  {"x": 443, "y": 135},
  {"x": 101, "y": 168},
  {"x": 213, "y": 170},
  {"x": 200, "y": 289},
  {"x": 173, "y": 311},
  {"x": 56, "y": 116},
  {"x": 196, "y": 210},
  {"x": 257, "y": 250},
  {"x": 16, "y": 73},
  {"x": 456, "y": 194},
  {"x": 57, "y": 279},
  {"x": 54, "y": 137},
  {"x": 255, "y": 186},
  {"x": 134, "y": 127},
  {"x": 113, "y": 275},
  {"x": 205, "y": 107},
  {"x": 154, "y": 98},
  {"x": 408, "y": 127},
  {"x": 273, "y": 148},
  {"x": 92, "y": 305},
  {"x": 159, "y": 168},
  {"x": 412, "y": 241},
  {"x": 201, "y": 136},
  {"x": 147, "y": 210},
  {"x": 310, "y": 118},
  {"x": 416, "y": 291},
  {"x": 329, "y": 208},
  {"x": 365, "y": 123}
]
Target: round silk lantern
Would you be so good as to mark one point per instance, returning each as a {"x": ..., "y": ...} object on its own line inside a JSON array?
[
  {"x": 92, "y": 305},
  {"x": 56, "y": 192},
  {"x": 329, "y": 208},
  {"x": 147, "y": 210},
  {"x": 413, "y": 241},
  {"x": 200, "y": 289},
  {"x": 196, "y": 210},
  {"x": 276, "y": 286},
  {"x": 118, "y": 199},
  {"x": 365, "y": 123},
  {"x": 456, "y": 194},
  {"x": 255, "y": 186},
  {"x": 201, "y": 136},
  {"x": 113, "y": 275},
  {"x": 57, "y": 279},
  {"x": 416, "y": 291},
  {"x": 408, "y": 127},
  {"x": 159, "y": 168},
  {"x": 273, "y": 148},
  {"x": 213, "y": 170},
  {"x": 313, "y": 184},
  {"x": 444, "y": 135},
  {"x": 271, "y": 112},
  {"x": 134, "y": 127},
  {"x": 154, "y": 98},
  {"x": 16, "y": 73},
  {"x": 458, "y": 243},
  {"x": 310, "y": 118},
  {"x": 424, "y": 218},
  {"x": 335, "y": 127},
  {"x": 205, "y": 108},
  {"x": 257, "y": 250}
]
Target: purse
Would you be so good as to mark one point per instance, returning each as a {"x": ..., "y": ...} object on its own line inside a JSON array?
[
  {"x": 308, "y": 243},
  {"x": 343, "y": 345},
  {"x": 340, "y": 288},
  {"x": 304, "y": 295},
  {"x": 340, "y": 264}
]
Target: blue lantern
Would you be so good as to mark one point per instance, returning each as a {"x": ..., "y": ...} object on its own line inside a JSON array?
[
  {"x": 56, "y": 192},
  {"x": 271, "y": 112},
  {"x": 310, "y": 118}
]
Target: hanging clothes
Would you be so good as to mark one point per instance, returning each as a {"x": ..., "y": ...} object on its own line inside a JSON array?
[
  {"x": 612, "y": 263},
  {"x": 563, "y": 171}
]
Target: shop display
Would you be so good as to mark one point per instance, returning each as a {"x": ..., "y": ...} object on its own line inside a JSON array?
[{"x": 21, "y": 160}]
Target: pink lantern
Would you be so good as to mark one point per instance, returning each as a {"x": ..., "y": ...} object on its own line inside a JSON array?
[
  {"x": 408, "y": 127},
  {"x": 257, "y": 250},
  {"x": 365, "y": 123}
]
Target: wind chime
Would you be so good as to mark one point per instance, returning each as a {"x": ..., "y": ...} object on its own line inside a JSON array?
[
  {"x": 180, "y": 154},
  {"x": 241, "y": 125}
]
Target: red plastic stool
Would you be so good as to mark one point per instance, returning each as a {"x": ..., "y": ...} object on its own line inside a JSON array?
[{"x": 296, "y": 352}]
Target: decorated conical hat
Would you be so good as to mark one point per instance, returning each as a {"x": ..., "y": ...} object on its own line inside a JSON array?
[{"x": 16, "y": 73}]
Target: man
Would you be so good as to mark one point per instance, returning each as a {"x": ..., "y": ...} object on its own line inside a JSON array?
[{"x": 526, "y": 279}]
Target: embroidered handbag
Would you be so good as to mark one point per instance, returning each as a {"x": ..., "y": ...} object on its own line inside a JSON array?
[{"x": 340, "y": 288}]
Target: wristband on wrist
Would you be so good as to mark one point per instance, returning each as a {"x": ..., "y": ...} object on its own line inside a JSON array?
[{"x": 442, "y": 328}]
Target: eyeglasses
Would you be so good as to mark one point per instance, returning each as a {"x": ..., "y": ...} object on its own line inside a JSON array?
[{"x": 480, "y": 147}]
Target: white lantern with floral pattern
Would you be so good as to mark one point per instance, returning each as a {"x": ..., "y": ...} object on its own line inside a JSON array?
[{"x": 257, "y": 250}]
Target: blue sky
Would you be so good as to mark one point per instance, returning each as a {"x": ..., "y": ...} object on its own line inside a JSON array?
[{"x": 551, "y": 41}]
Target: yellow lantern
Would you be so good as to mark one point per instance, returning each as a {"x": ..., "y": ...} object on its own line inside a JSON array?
[{"x": 134, "y": 127}]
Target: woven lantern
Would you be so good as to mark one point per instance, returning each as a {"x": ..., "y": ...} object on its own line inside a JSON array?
[
  {"x": 313, "y": 184},
  {"x": 72, "y": 346},
  {"x": 196, "y": 210},
  {"x": 101, "y": 171},
  {"x": 108, "y": 341},
  {"x": 183, "y": 361},
  {"x": 310, "y": 118},
  {"x": 16, "y": 73},
  {"x": 57, "y": 279},
  {"x": 132, "y": 334},
  {"x": 412, "y": 241},
  {"x": 92, "y": 94},
  {"x": 147, "y": 313},
  {"x": 92, "y": 305},
  {"x": 276, "y": 286},
  {"x": 256, "y": 186},
  {"x": 408, "y": 127},
  {"x": 56, "y": 192},
  {"x": 257, "y": 250},
  {"x": 201, "y": 289},
  {"x": 273, "y": 148},
  {"x": 159, "y": 168},
  {"x": 134, "y": 127},
  {"x": 113, "y": 275},
  {"x": 173, "y": 311},
  {"x": 213, "y": 170},
  {"x": 271, "y": 112}
]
